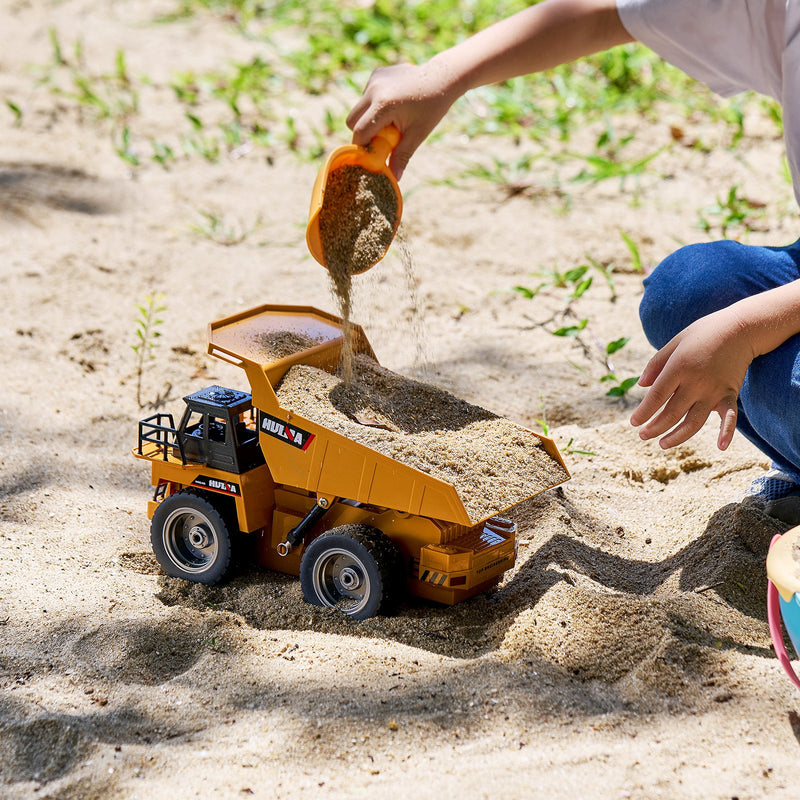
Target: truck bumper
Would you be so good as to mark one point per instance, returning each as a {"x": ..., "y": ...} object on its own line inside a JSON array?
[{"x": 466, "y": 565}]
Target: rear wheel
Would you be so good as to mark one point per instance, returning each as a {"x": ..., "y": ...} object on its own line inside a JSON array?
[
  {"x": 353, "y": 568},
  {"x": 191, "y": 539}
]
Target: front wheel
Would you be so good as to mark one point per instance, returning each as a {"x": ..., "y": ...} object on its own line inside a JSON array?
[
  {"x": 353, "y": 568},
  {"x": 191, "y": 539}
]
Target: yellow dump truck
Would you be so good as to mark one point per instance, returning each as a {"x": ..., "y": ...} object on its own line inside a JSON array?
[{"x": 357, "y": 526}]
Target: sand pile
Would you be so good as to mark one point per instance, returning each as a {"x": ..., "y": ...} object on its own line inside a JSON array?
[
  {"x": 652, "y": 633},
  {"x": 493, "y": 463}
]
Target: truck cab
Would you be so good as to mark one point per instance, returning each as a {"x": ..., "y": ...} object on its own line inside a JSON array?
[{"x": 214, "y": 430}]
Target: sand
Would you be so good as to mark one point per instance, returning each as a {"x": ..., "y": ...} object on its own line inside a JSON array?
[
  {"x": 492, "y": 462},
  {"x": 357, "y": 222},
  {"x": 627, "y": 654}
]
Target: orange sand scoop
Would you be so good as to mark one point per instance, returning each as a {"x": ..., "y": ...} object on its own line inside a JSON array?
[{"x": 372, "y": 158}]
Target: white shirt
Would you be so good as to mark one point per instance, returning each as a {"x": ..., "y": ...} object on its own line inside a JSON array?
[{"x": 731, "y": 46}]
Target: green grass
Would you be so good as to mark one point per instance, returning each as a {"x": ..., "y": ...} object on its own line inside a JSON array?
[{"x": 329, "y": 48}]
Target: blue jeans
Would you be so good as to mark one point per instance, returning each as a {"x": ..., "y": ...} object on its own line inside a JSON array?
[{"x": 702, "y": 278}]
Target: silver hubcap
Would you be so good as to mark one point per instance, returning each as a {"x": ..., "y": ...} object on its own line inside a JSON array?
[
  {"x": 190, "y": 540},
  {"x": 340, "y": 579}
]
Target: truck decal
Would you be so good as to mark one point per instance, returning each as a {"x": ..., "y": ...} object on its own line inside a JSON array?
[
  {"x": 493, "y": 564},
  {"x": 278, "y": 429},
  {"x": 226, "y": 487}
]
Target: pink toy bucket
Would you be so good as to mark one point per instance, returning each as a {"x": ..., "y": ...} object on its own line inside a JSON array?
[{"x": 783, "y": 596}]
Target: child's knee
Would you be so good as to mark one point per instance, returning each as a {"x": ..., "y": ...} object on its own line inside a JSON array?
[
  {"x": 663, "y": 308},
  {"x": 683, "y": 288}
]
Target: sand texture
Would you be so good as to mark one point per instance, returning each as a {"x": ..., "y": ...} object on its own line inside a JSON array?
[
  {"x": 626, "y": 655},
  {"x": 492, "y": 462}
]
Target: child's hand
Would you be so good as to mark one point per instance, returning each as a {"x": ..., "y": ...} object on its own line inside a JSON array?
[
  {"x": 413, "y": 98},
  {"x": 699, "y": 371}
]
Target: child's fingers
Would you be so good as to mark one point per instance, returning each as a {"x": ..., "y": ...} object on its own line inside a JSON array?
[
  {"x": 406, "y": 148},
  {"x": 728, "y": 414},
  {"x": 658, "y": 394},
  {"x": 694, "y": 420},
  {"x": 670, "y": 415},
  {"x": 399, "y": 161},
  {"x": 656, "y": 364},
  {"x": 357, "y": 111},
  {"x": 369, "y": 123}
]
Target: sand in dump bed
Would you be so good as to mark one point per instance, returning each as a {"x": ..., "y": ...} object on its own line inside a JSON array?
[
  {"x": 492, "y": 462},
  {"x": 280, "y": 344}
]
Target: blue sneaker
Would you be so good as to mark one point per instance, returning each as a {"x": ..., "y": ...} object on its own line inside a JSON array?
[
  {"x": 774, "y": 485},
  {"x": 780, "y": 495}
]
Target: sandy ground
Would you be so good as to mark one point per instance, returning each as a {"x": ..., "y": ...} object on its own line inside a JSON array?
[{"x": 627, "y": 654}]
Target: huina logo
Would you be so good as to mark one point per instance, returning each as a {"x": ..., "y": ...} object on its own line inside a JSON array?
[
  {"x": 226, "y": 487},
  {"x": 296, "y": 437}
]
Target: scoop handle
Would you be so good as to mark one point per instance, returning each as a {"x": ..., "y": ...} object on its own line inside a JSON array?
[{"x": 382, "y": 144}]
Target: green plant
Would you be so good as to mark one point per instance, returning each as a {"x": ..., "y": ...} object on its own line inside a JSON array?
[
  {"x": 512, "y": 177},
  {"x": 226, "y": 232},
  {"x": 109, "y": 96},
  {"x": 124, "y": 148},
  {"x": 576, "y": 279},
  {"x": 633, "y": 249},
  {"x": 601, "y": 168},
  {"x": 147, "y": 334},
  {"x": 568, "y": 448},
  {"x": 240, "y": 12},
  {"x": 620, "y": 387},
  {"x": 15, "y": 110},
  {"x": 734, "y": 211}
]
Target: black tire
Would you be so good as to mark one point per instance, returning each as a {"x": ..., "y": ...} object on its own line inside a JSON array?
[
  {"x": 354, "y": 568},
  {"x": 191, "y": 539}
]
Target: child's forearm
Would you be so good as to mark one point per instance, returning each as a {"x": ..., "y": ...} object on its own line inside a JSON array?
[
  {"x": 771, "y": 317},
  {"x": 415, "y": 98},
  {"x": 543, "y": 36}
]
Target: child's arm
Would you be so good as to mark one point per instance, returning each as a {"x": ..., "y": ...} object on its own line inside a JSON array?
[
  {"x": 415, "y": 98},
  {"x": 702, "y": 368}
]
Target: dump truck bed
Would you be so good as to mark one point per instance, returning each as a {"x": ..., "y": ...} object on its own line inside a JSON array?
[{"x": 328, "y": 459}]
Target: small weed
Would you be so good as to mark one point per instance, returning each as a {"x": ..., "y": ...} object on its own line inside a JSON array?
[
  {"x": 147, "y": 333},
  {"x": 616, "y": 345},
  {"x": 108, "y": 96},
  {"x": 621, "y": 387},
  {"x": 240, "y": 12},
  {"x": 223, "y": 231},
  {"x": 601, "y": 168},
  {"x": 527, "y": 292},
  {"x": 162, "y": 154},
  {"x": 204, "y": 145},
  {"x": 125, "y": 150},
  {"x": 543, "y": 424},
  {"x": 576, "y": 279},
  {"x": 735, "y": 211},
  {"x": 633, "y": 249},
  {"x": 607, "y": 271},
  {"x": 511, "y": 177},
  {"x": 572, "y": 330},
  {"x": 15, "y": 110},
  {"x": 568, "y": 449}
]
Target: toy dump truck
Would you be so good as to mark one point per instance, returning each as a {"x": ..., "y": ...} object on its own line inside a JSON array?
[{"x": 358, "y": 527}]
